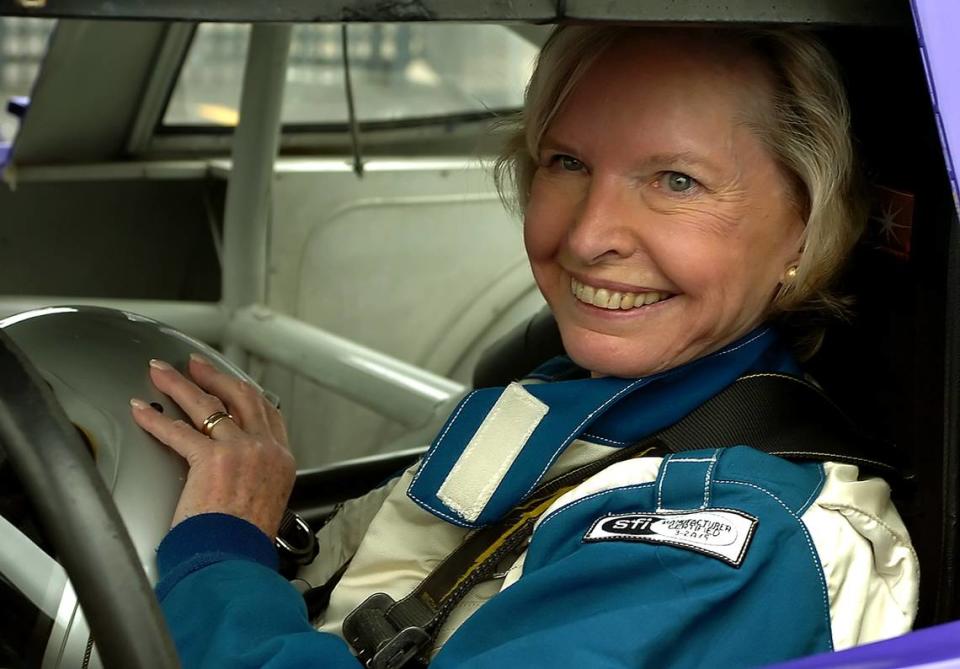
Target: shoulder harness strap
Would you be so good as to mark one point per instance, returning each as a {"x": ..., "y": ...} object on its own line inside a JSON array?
[{"x": 781, "y": 415}]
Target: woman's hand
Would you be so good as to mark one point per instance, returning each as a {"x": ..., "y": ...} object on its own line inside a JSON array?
[{"x": 244, "y": 467}]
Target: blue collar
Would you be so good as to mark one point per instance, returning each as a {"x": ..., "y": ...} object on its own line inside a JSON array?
[{"x": 608, "y": 410}]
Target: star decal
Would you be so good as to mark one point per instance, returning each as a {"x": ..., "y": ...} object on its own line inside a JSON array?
[{"x": 888, "y": 224}]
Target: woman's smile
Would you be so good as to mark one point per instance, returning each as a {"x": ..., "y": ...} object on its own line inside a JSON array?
[{"x": 611, "y": 299}]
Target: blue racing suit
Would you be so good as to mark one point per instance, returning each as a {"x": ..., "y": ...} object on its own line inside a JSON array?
[{"x": 721, "y": 557}]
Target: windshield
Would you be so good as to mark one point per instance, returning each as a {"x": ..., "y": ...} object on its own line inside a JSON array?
[
  {"x": 399, "y": 72},
  {"x": 23, "y": 44}
]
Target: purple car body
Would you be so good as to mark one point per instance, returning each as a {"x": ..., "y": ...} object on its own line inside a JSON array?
[
  {"x": 931, "y": 647},
  {"x": 938, "y": 26}
]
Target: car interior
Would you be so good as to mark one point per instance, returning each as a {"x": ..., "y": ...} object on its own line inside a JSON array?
[{"x": 381, "y": 236}]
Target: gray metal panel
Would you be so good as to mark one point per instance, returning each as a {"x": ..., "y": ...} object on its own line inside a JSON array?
[
  {"x": 129, "y": 238},
  {"x": 88, "y": 92},
  {"x": 821, "y": 12},
  {"x": 828, "y": 12}
]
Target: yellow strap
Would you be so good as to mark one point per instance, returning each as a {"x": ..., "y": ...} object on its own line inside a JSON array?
[{"x": 530, "y": 510}]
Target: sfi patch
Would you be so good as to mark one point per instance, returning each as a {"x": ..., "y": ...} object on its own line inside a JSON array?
[{"x": 724, "y": 534}]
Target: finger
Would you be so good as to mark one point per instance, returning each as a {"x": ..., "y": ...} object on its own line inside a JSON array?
[
  {"x": 178, "y": 435},
  {"x": 195, "y": 402},
  {"x": 245, "y": 402},
  {"x": 278, "y": 427},
  {"x": 275, "y": 419}
]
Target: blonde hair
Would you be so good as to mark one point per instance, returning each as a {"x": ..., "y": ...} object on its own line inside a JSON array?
[{"x": 807, "y": 133}]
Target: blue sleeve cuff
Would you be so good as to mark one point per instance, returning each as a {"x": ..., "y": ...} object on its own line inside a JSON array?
[{"x": 206, "y": 539}]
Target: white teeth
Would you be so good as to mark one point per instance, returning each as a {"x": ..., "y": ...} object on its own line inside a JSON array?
[{"x": 606, "y": 299}]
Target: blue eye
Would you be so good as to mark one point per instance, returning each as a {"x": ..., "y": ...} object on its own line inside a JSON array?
[
  {"x": 568, "y": 163},
  {"x": 678, "y": 182}
]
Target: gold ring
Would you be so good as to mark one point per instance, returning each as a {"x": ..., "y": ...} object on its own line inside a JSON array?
[{"x": 212, "y": 420}]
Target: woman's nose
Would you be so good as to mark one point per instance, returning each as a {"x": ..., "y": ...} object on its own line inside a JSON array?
[{"x": 606, "y": 224}]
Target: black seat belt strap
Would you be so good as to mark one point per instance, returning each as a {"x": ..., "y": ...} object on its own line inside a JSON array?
[
  {"x": 780, "y": 415},
  {"x": 775, "y": 413}
]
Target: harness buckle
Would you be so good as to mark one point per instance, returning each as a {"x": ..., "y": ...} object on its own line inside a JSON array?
[
  {"x": 379, "y": 641},
  {"x": 296, "y": 543},
  {"x": 400, "y": 649}
]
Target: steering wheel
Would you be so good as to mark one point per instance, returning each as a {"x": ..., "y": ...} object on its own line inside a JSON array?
[{"x": 80, "y": 519}]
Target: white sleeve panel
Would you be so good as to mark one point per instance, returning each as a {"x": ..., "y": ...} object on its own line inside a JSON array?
[
  {"x": 870, "y": 567},
  {"x": 634, "y": 471}
]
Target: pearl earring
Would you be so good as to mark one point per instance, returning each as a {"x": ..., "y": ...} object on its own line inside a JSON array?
[{"x": 790, "y": 275}]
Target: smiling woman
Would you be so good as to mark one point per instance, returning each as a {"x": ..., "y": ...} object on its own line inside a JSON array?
[
  {"x": 735, "y": 139},
  {"x": 674, "y": 195},
  {"x": 680, "y": 189}
]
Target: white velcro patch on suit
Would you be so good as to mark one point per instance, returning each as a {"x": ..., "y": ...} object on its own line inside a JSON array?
[
  {"x": 721, "y": 533},
  {"x": 496, "y": 444}
]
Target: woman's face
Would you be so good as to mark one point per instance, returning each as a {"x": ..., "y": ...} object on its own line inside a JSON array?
[{"x": 651, "y": 190}]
